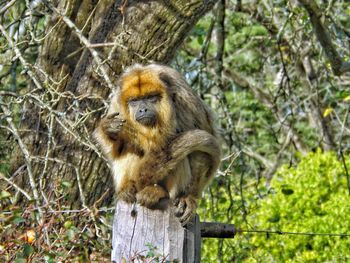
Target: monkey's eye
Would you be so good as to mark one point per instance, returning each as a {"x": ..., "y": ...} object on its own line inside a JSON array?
[
  {"x": 133, "y": 102},
  {"x": 153, "y": 98}
]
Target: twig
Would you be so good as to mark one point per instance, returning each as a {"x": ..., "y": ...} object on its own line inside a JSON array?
[
  {"x": 267, "y": 163},
  {"x": 27, "y": 195},
  {"x": 85, "y": 41},
  {"x": 48, "y": 150},
  {"x": 81, "y": 192}
]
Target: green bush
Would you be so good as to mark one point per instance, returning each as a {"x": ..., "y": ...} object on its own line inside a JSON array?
[{"x": 312, "y": 197}]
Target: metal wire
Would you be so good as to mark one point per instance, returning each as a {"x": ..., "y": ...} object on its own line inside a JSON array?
[{"x": 291, "y": 233}]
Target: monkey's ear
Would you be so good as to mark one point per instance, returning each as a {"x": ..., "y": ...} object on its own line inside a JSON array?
[{"x": 166, "y": 79}]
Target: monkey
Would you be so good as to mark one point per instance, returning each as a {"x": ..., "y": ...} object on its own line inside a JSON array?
[{"x": 160, "y": 140}]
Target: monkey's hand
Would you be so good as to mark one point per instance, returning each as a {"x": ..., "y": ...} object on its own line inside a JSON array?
[
  {"x": 153, "y": 197},
  {"x": 185, "y": 208},
  {"x": 112, "y": 125}
]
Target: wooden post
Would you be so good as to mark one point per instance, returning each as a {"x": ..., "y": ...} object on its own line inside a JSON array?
[{"x": 138, "y": 232}]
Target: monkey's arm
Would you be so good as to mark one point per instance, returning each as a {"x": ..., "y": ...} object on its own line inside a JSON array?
[{"x": 201, "y": 145}]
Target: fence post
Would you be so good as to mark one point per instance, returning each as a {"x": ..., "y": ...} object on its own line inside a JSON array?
[{"x": 138, "y": 231}]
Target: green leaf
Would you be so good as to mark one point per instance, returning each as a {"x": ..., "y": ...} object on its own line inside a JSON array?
[
  {"x": 68, "y": 224},
  {"x": 4, "y": 194},
  {"x": 18, "y": 219},
  {"x": 200, "y": 40},
  {"x": 27, "y": 250},
  {"x": 274, "y": 218},
  {"x": 20, "y": 259},
  {"x": 66, "y": 184},
  {"x": 49, "y": 259},
  {"x": 70, "y": 234}
]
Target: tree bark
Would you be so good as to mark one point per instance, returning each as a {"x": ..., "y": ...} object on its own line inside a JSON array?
[{"x": 87, "y": 45}]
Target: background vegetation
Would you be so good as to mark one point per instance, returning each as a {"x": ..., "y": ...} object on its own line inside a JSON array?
[{"x": 276, "y": 74}]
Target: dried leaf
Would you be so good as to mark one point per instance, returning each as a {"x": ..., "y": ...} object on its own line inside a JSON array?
[
  {"x": 327, "y": 112},
  {"x": 28, "y": 236}
]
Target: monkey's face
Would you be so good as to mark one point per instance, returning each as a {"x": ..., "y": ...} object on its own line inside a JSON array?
[
  {"x": 144, "y": 100},
  {"x": 144, "y": 109}
]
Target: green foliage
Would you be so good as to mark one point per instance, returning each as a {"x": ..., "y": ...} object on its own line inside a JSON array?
[
  {"x": 245, "y": 36},
  {"x": 312, "y": 197},
  {"x": 254, "y": 118}
]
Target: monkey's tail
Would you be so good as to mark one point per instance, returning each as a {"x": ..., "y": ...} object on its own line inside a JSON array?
[{"x": 194, "y": 141}]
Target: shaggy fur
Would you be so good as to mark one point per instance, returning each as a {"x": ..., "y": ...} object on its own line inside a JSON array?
[{"x": 174, "y": 159}]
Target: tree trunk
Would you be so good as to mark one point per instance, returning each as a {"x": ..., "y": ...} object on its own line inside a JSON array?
[{"x": 87, "y": 45}]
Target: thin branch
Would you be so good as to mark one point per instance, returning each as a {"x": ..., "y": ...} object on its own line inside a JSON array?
[
  {"x": 85, "y": 41},
  {"x": 220, "y": 40},
  {"x": 267, "y": 163},
  {"x": 27, "y": 159},
  {"x": 14, "y": 185},
  {"x": 345, "y": 169},
  {"x": 7, "y": 6},
  {"x": 270, "y": 172},
  {"x": 266, "y": 99},
  {"x": 18, "y": 53}
]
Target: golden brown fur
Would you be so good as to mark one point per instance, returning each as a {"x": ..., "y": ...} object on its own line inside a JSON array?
[{"x": 176, "y": 156}]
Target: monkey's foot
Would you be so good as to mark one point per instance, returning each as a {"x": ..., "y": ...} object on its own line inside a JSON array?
[
  {"x": 127, "y": 193},
  {"x": 185, "y": 208},
  {"x": 153, "y": 197}
]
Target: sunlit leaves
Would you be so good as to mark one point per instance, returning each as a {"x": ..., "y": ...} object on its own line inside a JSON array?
[{"x": 311, "y": 197}]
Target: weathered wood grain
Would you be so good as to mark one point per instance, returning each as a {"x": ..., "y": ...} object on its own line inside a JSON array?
[{"x": 136, "y": 229}]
